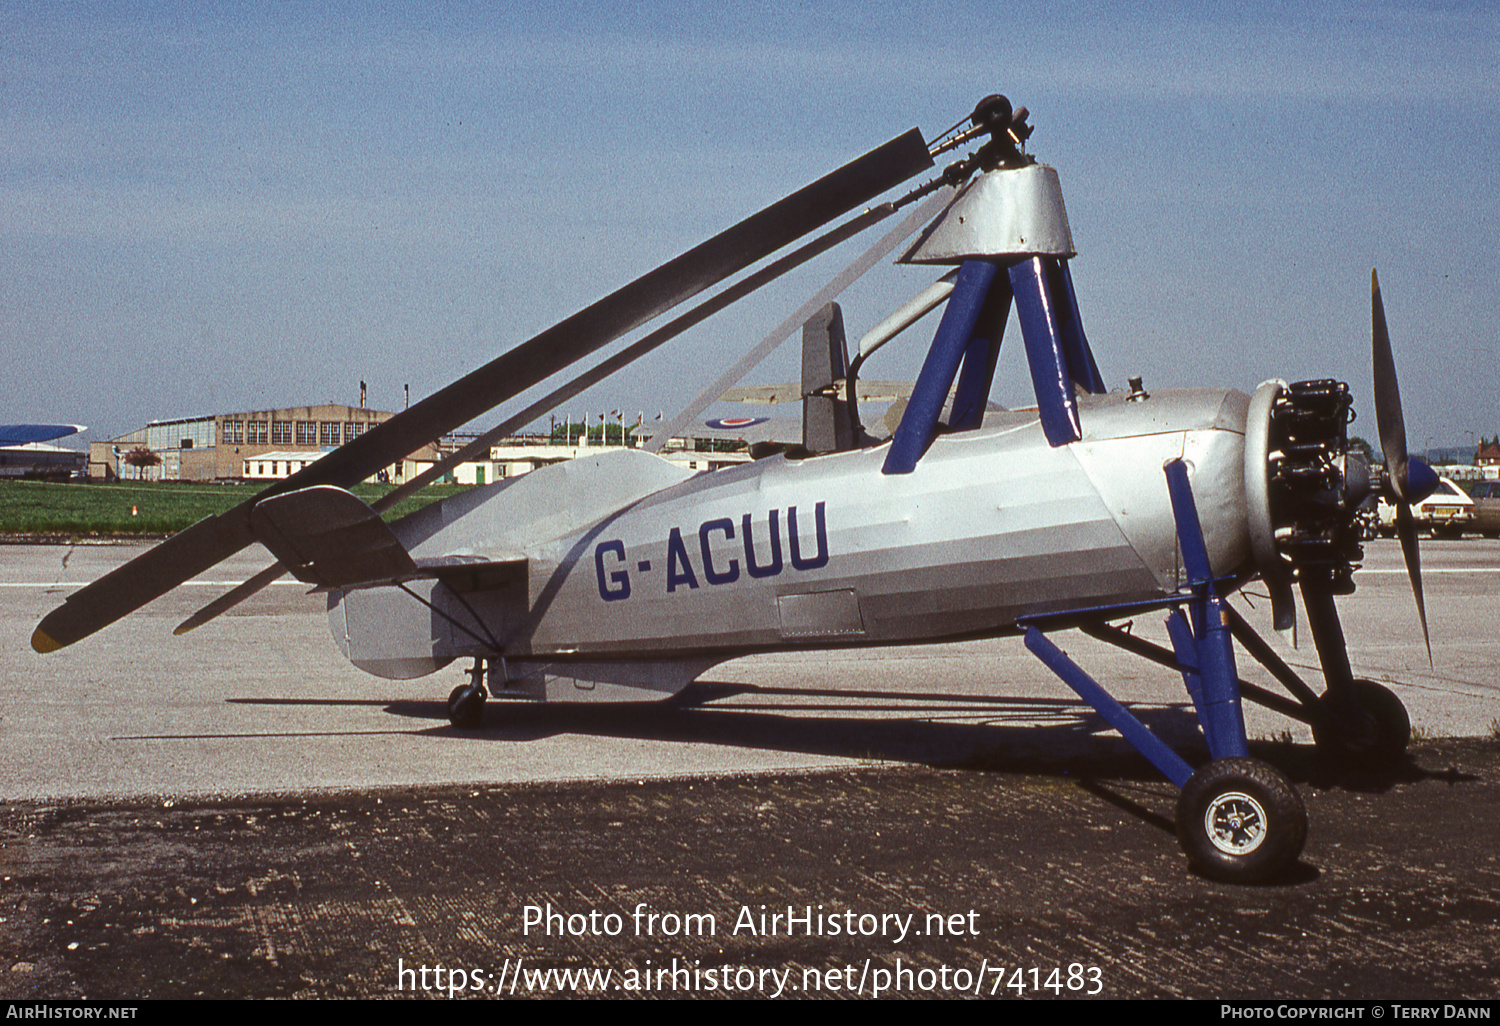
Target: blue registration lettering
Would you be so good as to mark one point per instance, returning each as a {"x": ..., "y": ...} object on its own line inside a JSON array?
[
  {"x": 619, "y": 579},
  {"x": 772, "y": 568},
  {"x": 679, "y": 567},
  {"x": 820, "y": 530},
  {"x": 732, "y": 572}
]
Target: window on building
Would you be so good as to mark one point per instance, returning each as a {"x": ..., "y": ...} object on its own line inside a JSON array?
[
  {"x": 234, "y": 432},
  {"x": 307, "y": 432},
  {"x": 353, "y": 430},
  {"x": 328, "y": 433},
  {"x": 255, "y": 432},
  {"x": 281, "y": 432}
]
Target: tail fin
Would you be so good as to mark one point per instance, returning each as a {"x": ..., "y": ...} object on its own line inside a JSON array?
[{"x": 826, "y": 422}]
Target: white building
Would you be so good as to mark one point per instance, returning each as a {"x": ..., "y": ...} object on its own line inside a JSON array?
[
  {"x": 272, "y": 466},
  {"x": 513, "y": 457}
]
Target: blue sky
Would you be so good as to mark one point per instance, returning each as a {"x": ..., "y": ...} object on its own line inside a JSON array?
[{"x": 214, "y": 207}]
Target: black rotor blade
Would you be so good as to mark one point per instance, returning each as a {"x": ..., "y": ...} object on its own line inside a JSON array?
[
  {"x": 148, "y": 576},
  {"x": 623, "y": 310},
  {"x": 1388, "y": 418},
  {"x": 562, "y": 394},
  {"x": 231, "y": 598},
  {"x": 209, "y": 541},
  {"x": 1406, "y": 530}
]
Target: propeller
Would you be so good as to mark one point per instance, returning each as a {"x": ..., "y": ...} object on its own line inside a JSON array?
[
  {"x": 1303, "y": 490},
  {"x": 1405, "y": 481},
  {"x": 1410, "y": 480}
]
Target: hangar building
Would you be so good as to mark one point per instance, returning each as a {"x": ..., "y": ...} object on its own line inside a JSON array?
[
  {"x": 40, "y": 460},
  {"x": 226, "y": 445}
]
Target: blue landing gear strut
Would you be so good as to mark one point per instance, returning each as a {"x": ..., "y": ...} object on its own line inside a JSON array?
[{"x": 1238, "y": 819}]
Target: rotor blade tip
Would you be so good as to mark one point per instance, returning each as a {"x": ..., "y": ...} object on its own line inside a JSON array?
[{"x": 42, "y": 642}]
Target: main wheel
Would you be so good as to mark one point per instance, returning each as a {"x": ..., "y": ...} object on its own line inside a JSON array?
[
  {"x": 1240, "y": 821},
  {"x": 466, "y": 707},
  {"x": 1383, "y": 736}
]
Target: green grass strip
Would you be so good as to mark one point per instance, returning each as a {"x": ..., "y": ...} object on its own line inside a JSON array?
[{"x": 148, "y": 508}]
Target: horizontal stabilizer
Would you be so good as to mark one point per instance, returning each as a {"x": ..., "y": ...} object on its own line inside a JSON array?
[
  {"x": 330, "y": 537},
  {"x": 864, "y": 391},
  {"x": 466, "y": 574}
]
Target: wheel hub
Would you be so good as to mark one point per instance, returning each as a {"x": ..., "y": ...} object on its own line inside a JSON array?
[{"x": 1235, "y": 823}]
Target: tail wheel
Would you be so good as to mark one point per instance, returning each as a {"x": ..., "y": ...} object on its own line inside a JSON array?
[
  {"x": 1240, "y": 821},
  {"x": 466, "y": 707},
  {"x": 1382, "y": 736}
]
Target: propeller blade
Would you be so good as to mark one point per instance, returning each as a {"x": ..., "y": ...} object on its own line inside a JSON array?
[
  {"x": 1406, "y": 530},
  {"x": 1389, "y": 422},
  {"x": 209, "y": 541},
  {"x": 1410, "y": 480}
]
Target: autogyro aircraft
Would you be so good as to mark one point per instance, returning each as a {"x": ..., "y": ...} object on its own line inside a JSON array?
[{"x": 619, "y": 576}]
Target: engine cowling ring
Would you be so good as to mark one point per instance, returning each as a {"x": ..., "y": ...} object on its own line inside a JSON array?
[{"x": 1275, "y": 570}]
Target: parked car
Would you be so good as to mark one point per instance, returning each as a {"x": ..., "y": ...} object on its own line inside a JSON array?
[
  {"x": 1369, "y": 518},
  {"x": 1486, "y": 496},
  {"x": 1447, "y": 512}
]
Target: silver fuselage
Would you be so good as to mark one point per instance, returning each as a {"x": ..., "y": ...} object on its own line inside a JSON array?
[{"x": 638, "y": 574}]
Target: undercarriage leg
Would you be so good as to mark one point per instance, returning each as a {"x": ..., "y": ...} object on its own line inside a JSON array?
[
  {"x": 1207, "y": 661},
  {"x": 466, "y": 703},
  {"x": 1116, "y": 715},
  {"x": 1238, "y": 819}
]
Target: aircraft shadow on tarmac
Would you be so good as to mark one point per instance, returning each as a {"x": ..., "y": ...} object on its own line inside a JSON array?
[
  {"x": 1039, "y": 736},
  {"x": 937, "y": 729},
  {"x": 1050, "y": 736}
]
